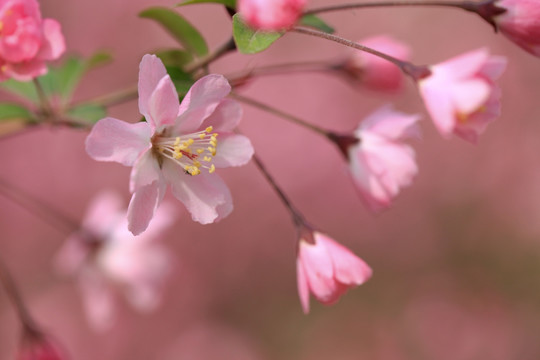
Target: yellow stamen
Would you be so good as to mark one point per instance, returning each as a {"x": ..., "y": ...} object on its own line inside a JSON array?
[
  {"x": 207, "y": 158},
  {"x": 202, "y": 136},
  {"x": 209, "y": 129},
  {"x": 200, "y": 151},
  {"x": 212, "y": 169}
]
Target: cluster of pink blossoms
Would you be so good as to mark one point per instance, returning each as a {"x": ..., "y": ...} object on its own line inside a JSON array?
[{"x": 26, "y": 40}]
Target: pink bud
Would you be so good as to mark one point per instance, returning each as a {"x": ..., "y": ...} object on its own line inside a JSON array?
[
  {"x": 461, "y": 95},
  {"x": 271, "y": 15},
  {"x": 373, "y": 72},
  {"x": 521, "y": 23},
  {"x": 27, "y": 41},
  {"x": 326, "y": 269}
]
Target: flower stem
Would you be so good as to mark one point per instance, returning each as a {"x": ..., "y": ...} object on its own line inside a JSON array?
[
  {"x": 280, "y": 113},
  {"x": 465, "y": 5},
  {"x": 297, "y": 217},
  {"x": 414, "y": 71},
  {"x": 45, "y": 105},
  {"x": 208, "y": 59},
  {"x": 15, "y": 297},
  {"x": 40, "y": 209}
]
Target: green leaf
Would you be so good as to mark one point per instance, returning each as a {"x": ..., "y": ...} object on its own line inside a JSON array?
[
  {"x": 88, "y": 113},
  {"x": 179, "y": 28},
  {"x": 25, "y": 90},
  {"x": 174, "y": 57},
  {"x": 98, "y": 59},
  {"x": 316, "y": 23},
  {"x": 182, "y": 81},
  {"x": 63, "y": 80},
  {"x": 10, "y": 112},
  {"x": 250, "y": 41},
  {"x": 228, "y": 3}
]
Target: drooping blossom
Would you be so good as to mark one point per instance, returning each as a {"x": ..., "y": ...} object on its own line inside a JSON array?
[
  {"x": 461, "y": 95},
  {"x": 326, "y": 269},
  {"x": 374, "y": 73},
  {"x": 380, "y": 162},
  {"x": 107, "y": 259},
  {"x": 519, "y": 20},
  {"x": 26, "y": 40},
  {"x": 271, "y": 15},
  {"x": 180, "y": 145}
]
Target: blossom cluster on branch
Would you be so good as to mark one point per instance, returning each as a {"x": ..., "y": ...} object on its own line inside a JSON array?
[{"x": 189, "y": 131}]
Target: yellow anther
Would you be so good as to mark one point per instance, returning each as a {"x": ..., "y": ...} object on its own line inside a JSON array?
[
  {"x": 190, "y": 141},
  {"x": 200, "y": 151},
  {"x": 212, "y": 169},
  {"x": 202, "y": 136},
  {"x": 196, "y": 163},
  {"x": 211, "y": 149},
  {"x": 214, "y": 152},
  {"x": 215, "y": 134},
  {"x": 209, "y": 129},
  {"x": 178, "y": 155},
  {"x": 177, "y": 141},
  {"x": 180, "y": 147},
  {"x": 213, "y": 143},
  {"x": 213, "y": 137},
  {"x": 195, "y": 171},
  {"x": 207, "y": 158}
]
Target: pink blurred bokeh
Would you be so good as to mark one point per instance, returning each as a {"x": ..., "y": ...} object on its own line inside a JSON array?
[{"x": 456, "y": 261}]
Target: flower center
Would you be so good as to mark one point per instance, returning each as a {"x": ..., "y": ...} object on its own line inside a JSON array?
[{"x": 192, "y": 152}]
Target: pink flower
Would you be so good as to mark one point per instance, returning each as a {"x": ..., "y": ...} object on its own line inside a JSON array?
[
  {"x": 179, "y": 144},
  {"x": 520, "y": 23},
  {"x": 271, "y": 15},
  {"x": 461, "y": 95},
  {"x": 107, "y": 258},
  {"x": 326, "y": 269},
  {"x": 379, "y": 160},
  {"x": 27, "y": 41},
  {"x": 373, "y": 72}
]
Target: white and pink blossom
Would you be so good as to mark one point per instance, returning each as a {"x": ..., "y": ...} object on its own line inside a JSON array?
[
  {"x": 461, "y": 95},
  {"x": 380, "y": 161},
  {"x": 326, "y": 269},
  {"x": 107, "y": 259},
  {"x": 26, "y": 40},
  {"x": 180, "y": 145},
  {"x": 271, "y": 15}
]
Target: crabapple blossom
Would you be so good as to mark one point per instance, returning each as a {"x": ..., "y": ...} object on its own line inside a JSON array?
[
  {"x": 520, "y": 23},
  {"x": 26, "y": 40},
  {"x": 461, "y": 95},
  {"x": 374, "y": 73},
  {"x": 106, "y": 257},
  {"x": 380, "y": 162},
  {"x": 271, "y": 15},
  {"x": 326, "y": 269},
  {"x": 180, "y": 145}
]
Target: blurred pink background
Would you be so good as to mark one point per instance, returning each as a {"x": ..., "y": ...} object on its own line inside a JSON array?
[{"x": 456, "y": 261}]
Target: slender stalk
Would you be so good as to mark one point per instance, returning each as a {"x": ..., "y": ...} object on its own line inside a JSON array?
[
  {"x": 285, "y": 68},
  {"x": 280, "y": 113},
  {"x": 208, "y": 59},
  {"x": 45, "y": 105},
  {"x": 414, "y": 71},
  {"x": 114, "y": 98},
  {"x": 16, "y": 299},
  {"x": 465, "y": 5},
  {"x": 40, "y": 209},
  {"x": 297, "y": 217}
]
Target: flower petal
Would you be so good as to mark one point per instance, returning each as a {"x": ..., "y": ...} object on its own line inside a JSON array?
[
  {"x": 349, "y": 269},
  {"x": 151, "y": 71},
  {"x": 439, "y": 106},
  {"x": 462, "y": 66},
  {"x": 226, "y": 116},
  {"x": 205, "y": 196},
  {"x": 145, "y": 171},
  {"x": 163, "y": 104},
  {"x": 303, "y": 289},
  {"x": 200, "y": 102},
  {"x": 97, "y": 300},
  {"x": 390, "y": 124},
  {"x": 142, "y": 206},
  {"x": 468, "y": 96},
  {"x": 115, "y": 140},
  {"x": 53, "y": 45},
  {"x": 232, "y": 150},
  {"x": 318, "y": 269}
]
